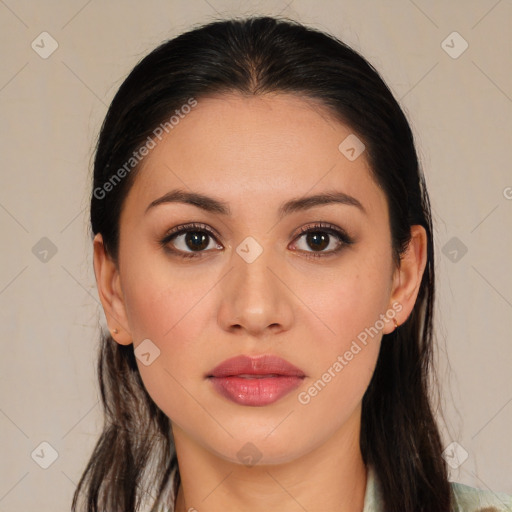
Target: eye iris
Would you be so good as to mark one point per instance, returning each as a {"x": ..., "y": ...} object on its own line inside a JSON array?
[
  {"x": 317, "y": 240},
  {"x": 198, "y": 240}
]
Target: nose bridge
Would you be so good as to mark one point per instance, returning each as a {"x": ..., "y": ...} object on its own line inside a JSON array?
[
  {"x": 254, "y": 297},
  {"x": 252, "y": 260}
]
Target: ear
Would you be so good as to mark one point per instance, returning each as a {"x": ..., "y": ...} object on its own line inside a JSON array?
[
  {"x": 110, "y": 292},
  {"x": 407, "y": 278}
]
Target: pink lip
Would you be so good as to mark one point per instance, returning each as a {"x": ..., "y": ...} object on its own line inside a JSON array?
[{"x": 255, "y": 381}]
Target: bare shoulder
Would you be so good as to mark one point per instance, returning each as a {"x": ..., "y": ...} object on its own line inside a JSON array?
[{"x": 472, "y": 499}]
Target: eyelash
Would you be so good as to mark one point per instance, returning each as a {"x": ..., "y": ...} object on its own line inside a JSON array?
[{"x": 319, "y": 227}]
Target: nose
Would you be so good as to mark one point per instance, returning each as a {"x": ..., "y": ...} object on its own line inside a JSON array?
[{"x": 255, "y": 297}]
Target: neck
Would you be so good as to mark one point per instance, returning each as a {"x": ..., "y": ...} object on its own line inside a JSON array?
[{"x": 331, "y": 478}]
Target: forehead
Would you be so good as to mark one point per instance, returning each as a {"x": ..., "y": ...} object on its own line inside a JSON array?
[{"x": 255, "y": 147}]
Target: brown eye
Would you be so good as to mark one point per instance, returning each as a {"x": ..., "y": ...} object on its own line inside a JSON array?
[
  {"x": 189, "y": 241},
  {"x": 196, "y": 240},
  {"x": 318, "y": 240},
  {"x": 321, "y": 237}
]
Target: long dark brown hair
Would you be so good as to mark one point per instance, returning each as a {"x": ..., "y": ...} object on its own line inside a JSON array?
[{"x": 135, "y": 454}]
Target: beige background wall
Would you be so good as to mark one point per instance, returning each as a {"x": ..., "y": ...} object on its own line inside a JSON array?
[{"x": 51, "y": 109}]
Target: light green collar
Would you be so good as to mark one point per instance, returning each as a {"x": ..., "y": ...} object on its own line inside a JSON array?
[{"x": 372, "y": 496}]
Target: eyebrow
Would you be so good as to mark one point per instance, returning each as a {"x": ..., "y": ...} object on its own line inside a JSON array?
[{"x": 213, "y": 205}]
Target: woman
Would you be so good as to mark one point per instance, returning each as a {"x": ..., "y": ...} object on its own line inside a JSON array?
[{"x": 264, "y": 256}]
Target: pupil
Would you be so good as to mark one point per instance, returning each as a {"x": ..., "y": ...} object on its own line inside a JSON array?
[
  {"x": 199, "y": 240},
  {"x": 314, "y": 238}
]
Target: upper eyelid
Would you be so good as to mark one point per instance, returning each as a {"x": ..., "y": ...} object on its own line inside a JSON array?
[{"x": 184, "y": 228}]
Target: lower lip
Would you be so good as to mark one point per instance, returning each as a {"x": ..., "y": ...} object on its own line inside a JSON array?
[{"x": 255, "y": 392}]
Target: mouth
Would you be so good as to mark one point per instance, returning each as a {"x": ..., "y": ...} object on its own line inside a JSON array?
[{"x": 255, "y": 381}]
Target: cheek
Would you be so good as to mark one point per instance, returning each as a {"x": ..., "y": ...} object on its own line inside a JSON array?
[
  {"x": 172, "y": 314},
  {"x": 162, "y": 301},
  {"x": 347, "y": 303},
  {"x": 347, "y": 351},
  {"x": 346, "y": 312}
]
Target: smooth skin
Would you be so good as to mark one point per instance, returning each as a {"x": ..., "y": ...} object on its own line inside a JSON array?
[{"x": 254, "y": 153}]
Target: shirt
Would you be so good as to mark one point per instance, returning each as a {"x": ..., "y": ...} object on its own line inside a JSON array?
[{"x": 465, "y": 497}]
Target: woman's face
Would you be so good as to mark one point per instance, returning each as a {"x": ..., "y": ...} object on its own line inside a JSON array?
[{"x": 255, "y": 285}]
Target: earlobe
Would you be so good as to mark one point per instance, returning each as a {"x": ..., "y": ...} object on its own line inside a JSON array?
[
  {"x": 407, "y": 279},
  {"x": 110, "y": 293}
]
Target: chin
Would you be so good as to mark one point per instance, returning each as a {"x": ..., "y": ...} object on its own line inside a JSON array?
[{"x": 257, "y": 451}]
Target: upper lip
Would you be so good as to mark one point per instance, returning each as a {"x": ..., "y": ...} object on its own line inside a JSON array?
[{"x": 265, "y": 364}]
